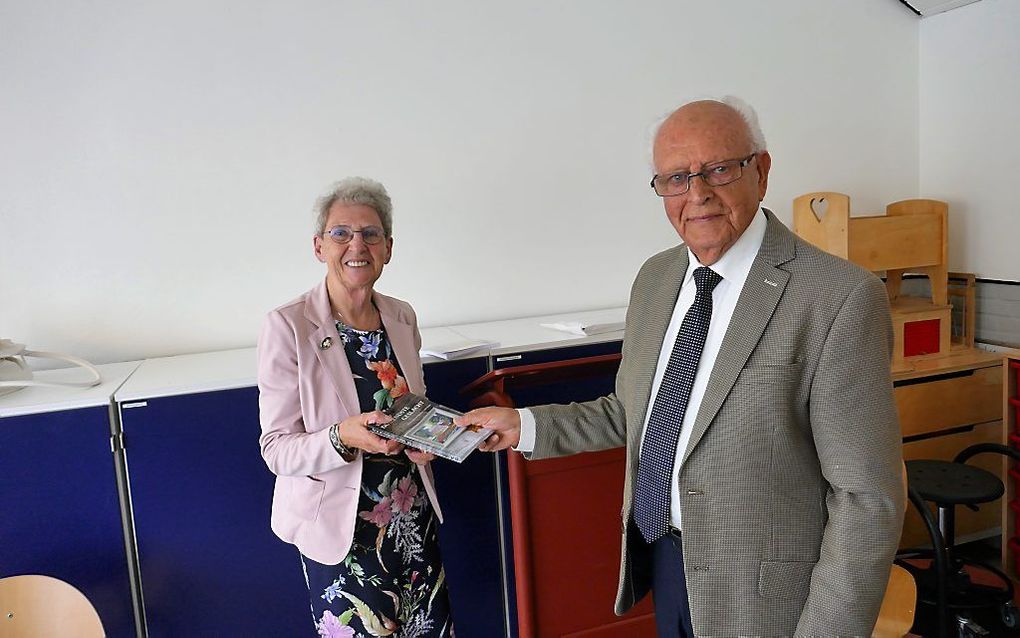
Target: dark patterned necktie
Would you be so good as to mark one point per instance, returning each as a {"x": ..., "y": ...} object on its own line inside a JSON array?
[{"x": 659, "y": 447}]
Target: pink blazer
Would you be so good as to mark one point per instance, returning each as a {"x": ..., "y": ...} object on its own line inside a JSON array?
[{"x": 306, "y": 386}]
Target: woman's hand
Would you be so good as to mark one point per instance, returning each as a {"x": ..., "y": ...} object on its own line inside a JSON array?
[
  {"x": 418, "y": 456},
  {"x": 505, "y": 424},
  {"x": 354, "y": 433}
]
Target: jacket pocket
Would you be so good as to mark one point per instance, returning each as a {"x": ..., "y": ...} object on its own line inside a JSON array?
[
  {"x": 785, "y": 579},
  {"x": 771, "y": 375},
  {"x": 306, "y": 496}
]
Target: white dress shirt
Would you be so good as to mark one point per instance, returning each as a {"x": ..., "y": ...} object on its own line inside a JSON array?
[{"x": 733, "y": 267}]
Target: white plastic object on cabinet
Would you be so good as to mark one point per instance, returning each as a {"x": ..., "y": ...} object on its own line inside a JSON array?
[{"x": 16, "y": 374}]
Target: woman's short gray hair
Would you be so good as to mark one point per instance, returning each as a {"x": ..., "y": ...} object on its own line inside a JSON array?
[{"x": 356, "y": 190}]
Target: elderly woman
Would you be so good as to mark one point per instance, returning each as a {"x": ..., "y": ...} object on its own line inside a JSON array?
[{"x": 361, "y": 510}]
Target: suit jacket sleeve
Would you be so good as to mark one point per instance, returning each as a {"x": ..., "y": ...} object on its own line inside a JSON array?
[
  {"x": 578, "y": 427},
  {"x": 857, "y": 437},
  {"x": 287, "y": 447}
]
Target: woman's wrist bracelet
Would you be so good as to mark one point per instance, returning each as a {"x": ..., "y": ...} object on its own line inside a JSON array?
[{"x": 338, "y": 445}]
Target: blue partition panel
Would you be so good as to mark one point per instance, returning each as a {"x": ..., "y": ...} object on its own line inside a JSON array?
[
  {"x": 60, "y": 515},
  {"x": 210, "y": 565}
]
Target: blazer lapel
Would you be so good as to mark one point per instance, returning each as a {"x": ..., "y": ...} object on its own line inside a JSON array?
[
  {"x": 757, "y": 302},
  {"x": 647, "y": 338},
  {"x": 401, "y": 336},
  {"x": 333, "y": 357}
]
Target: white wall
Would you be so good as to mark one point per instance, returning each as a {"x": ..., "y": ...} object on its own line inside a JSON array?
[
  {"x": 970, "y": 136},
  {"x": 159, "y": 161}
]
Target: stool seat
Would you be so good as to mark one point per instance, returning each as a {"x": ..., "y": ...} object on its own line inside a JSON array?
[{"x": 949, "y": 483}]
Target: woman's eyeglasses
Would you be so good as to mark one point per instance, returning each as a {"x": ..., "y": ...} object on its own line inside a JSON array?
[{"x": 344, "y": 234}]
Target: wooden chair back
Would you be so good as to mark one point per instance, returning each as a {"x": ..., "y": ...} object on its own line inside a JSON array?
[
  {"x": 34, "y": 605},
  {"x": 897, "y": 614},
  {"x": 823, "y": 220}
]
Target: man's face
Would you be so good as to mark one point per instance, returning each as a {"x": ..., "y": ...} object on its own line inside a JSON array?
[{"x": 710, "y": 219}]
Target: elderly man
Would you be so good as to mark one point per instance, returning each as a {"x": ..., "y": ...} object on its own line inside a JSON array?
[{"x": 763, "y": 492}]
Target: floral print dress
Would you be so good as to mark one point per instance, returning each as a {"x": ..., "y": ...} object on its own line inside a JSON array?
[{"x": 391, "y": 583}]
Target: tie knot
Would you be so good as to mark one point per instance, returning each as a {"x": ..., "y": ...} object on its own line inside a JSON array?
[{"x": 706, "y": 279}]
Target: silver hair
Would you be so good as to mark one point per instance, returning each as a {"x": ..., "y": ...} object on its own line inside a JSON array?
[
  {"x": 742, "y": 108},
  {"x": 356, "y": 190},
  {"x": 747, "y": 113}
]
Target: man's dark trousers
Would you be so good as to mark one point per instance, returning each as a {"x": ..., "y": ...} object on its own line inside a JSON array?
[{"x": 669, "y": 588}]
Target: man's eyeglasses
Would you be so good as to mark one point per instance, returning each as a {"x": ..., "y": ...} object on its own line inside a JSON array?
[
  {"x": 717, "y": 174},
  {"x": 344, "y": 234}
]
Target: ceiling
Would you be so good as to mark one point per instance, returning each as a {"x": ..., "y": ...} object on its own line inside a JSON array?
[{"x": 925, "y": 8}]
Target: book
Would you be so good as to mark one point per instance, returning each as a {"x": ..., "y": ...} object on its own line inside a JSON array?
[
  {"x": 425, "y": 425},
  {"x": 457, "y": 349},
  {"x": 591, "y": 322},
  {"x": 585, "y": 329}
]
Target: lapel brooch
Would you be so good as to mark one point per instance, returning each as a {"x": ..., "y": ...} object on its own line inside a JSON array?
[{"x": 326, "y": 343}]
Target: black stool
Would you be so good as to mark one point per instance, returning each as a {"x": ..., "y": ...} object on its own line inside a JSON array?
[{"x": 947, "y": 586}]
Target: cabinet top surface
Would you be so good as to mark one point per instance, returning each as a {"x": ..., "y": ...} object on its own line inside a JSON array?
[
  {"x": 958, "y": 359},
  {"x": 514, "y": 335},
  {"x": 230, "y": 369},
  {"x": 37, "y": 400},
  {"x": 190, "y": 373}
]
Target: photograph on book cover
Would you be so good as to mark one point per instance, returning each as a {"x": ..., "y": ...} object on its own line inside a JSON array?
[{"x": 435, "y": 429}]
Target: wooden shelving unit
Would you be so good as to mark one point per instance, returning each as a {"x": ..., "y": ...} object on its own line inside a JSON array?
[
  {"x": 912, "y": 236},
  {"x": 1011, "y": 436}
]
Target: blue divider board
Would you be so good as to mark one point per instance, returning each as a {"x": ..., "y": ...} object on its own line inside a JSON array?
[
  {"x": 210, "y": 564},
  {"x": 60, "y": 515}
]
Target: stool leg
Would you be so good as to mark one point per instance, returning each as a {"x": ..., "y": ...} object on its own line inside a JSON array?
[
  {"x": 947, "y": 525},
  {"x": 940, "y": 563}
]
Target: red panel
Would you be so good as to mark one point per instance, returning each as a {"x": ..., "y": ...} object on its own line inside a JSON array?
[
  {"x": 1015, "y": 506},
  {"x": 921, "y": 337},
  {"x": 1014, "y": 546},
  {"x": 1016, "y": 371},
  {"x": 566, "y": 528},
  {"x": 1015, "y": 402}
]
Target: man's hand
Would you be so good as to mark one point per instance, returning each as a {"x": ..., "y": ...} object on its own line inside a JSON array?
[
  {"x": 354, "y": 433},
  {"x": 505, "y": 424}
]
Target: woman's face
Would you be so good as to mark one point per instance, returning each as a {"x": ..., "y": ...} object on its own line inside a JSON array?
[{"x": 354, "y": 264}]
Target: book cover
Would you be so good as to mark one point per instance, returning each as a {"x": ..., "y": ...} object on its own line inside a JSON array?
[{"x": 425, "y": 425}]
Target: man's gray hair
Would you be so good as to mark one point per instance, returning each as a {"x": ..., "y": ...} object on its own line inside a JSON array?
[
  {"x": 356, "y": 190},
  {"x": 743, "y": 109},
  {"x": 750, "y": 118}
]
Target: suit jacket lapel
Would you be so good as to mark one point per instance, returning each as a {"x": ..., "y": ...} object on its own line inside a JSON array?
[
  {"x": 757, "y": 302},
  {"x": 332, "y": 357},
  {"x": 647, "y": 340}
]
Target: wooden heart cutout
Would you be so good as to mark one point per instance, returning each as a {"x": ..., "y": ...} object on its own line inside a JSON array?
[{"x": 820, "y": 207}]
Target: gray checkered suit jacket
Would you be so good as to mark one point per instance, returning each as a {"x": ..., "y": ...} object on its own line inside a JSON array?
[{"x": 791, "y": 483}]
